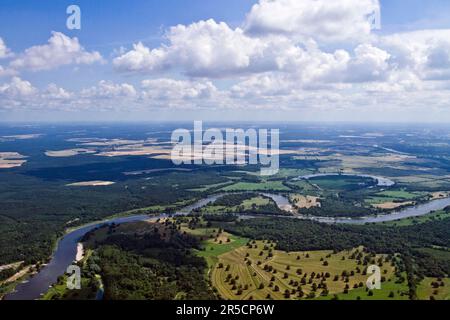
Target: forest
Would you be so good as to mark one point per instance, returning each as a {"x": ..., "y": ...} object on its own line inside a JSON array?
[{"x": 156, "y": 265}]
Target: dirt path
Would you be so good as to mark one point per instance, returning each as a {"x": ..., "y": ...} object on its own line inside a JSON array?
[
  {"x": 20, "y": 274},
  {"x": 11, "y": 265}
]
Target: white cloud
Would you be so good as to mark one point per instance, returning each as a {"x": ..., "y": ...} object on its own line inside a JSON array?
[
  {"x": 107, "y": 95},
  {"x": 4, "y": 72},
  {"x": 370, "y": 64},
  {"x": 17, "y": 88},
  {"x": 425, "y": 52},
  {"x": 402, "y": 81},
  {"x": 270, "y": 91},
  {"x": 5, "y": 52},
  {"x": 54, "y": 92},
  {"x": 140, "y": 59},
  {"x": 205, "y": 48},
  {"x": 287, "y": 54},
  {"x": 323, "y": 20},
  {"x": 109, "y": 90},
  {"x": 61, "y": 50},
  {"x": 177, "y": 89},
  {"x": 210, "y": 49}
]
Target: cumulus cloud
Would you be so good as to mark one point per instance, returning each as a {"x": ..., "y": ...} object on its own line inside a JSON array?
[
  {"x": 140, "y": 59},
  {"x": 5, "y": 52},
  {"x": 54, "y": 92},
  {"x": 108, "y": 95},
  {"x": 205, "y": 48},
  {"x": 370, "y": 64},
  {"x": 167, "y": 89},
  {"x": 59, "y": 51},
  {"x": 323, "y": 20},
  {"x": 110, "y": 90},
  {"x": 305, "y": 54},
  {"x": 426, "y": 52},
  {"x": 4, "y": 72},
  {"x": 17, "y": 88},
  {"x": 211, "y": 49},
  {"x": 184, "y": 94},
  {"x": 18, "y": 93}
]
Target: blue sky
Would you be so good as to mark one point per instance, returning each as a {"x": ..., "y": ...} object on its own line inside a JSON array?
[
  {"x": 223, "y": 82},
  {"x": 106, "y": 25}
]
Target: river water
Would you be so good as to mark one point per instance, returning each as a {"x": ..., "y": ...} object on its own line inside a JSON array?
[{"x": 65, "y": 252}]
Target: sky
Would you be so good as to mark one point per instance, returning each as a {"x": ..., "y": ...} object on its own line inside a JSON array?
[{"x": 259, "y": 60}]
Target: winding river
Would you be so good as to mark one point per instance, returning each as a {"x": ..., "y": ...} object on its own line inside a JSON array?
[{"x": 65, "y": 252}]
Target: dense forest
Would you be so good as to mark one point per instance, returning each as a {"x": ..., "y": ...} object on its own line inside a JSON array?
[
  {"x": 337, "y": 207},
  {"x": 156, "y": 265}
]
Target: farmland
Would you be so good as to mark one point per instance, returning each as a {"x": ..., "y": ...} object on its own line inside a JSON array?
[{"x": 259, "y": 271}]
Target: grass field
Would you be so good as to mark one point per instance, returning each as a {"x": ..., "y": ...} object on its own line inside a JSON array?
[
  {"x": 213, "y": 249},
  {"x": 246, "y": 273},
  {"x": 341, "y": 183},
  {"x": 246, "y": 205},
  {"x": 394, "y": 199},
  {"x": 394, "y": 196},
  {"x": 429, "y": 288},
  {"x": 215, "y": 242},
  {"x": 305, "y": 186},
  {"x": 390, "y": 290},
  {"x": 401, "y": 194}
]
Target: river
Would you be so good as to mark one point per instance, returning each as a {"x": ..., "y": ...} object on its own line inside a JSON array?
[{"x": 65, "y": 252}]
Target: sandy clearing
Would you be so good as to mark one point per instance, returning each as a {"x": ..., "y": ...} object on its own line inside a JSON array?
[
  {"x": 80, "y": 252},
  {"x": 20, "y": 274},
  {"x": 69, "y": 153},
  {"x": 112, "y": 142},
  {"x": 11, "y": 160},
  {"x": 72, "y": 221},
  {"x": 393, "y": 205},
  {"x": 135, "y": 150},
  {"x": 23, "y": 136},
  {"x": 90, "y": 184},
  {"x": 305, "y": 202},
  {"x": 11, "y": 265},
  {"x": 439, "y": 195}
]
